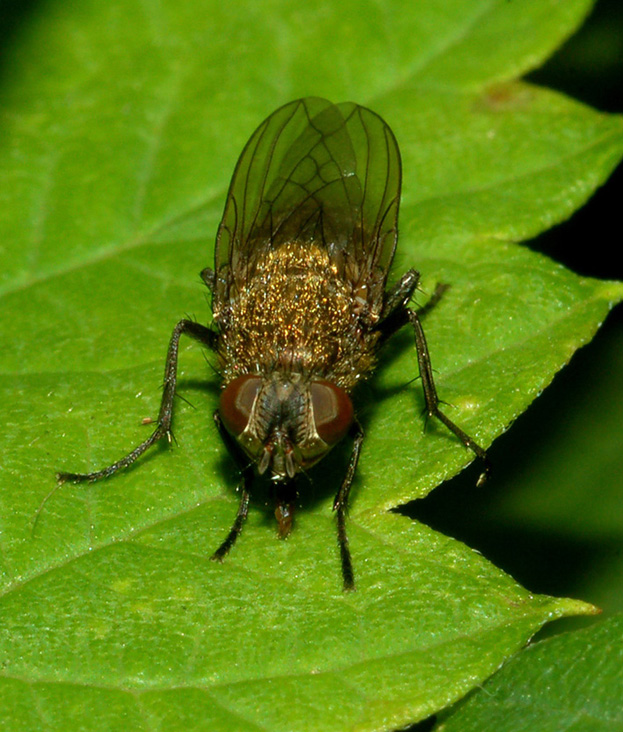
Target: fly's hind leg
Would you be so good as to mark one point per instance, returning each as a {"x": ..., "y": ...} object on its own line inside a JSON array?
[
  {"x": 397, "y": 314},
  {"x": 432, "y": 399},
  {"x": 187, "y": 327}
]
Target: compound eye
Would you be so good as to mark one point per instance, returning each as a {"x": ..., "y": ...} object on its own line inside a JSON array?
[
  {"x": 237, "y": 400},
  {"x": 333, "y": 411}
]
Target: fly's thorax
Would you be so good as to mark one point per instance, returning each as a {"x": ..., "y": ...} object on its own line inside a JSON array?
[
  {"x": 285, "y": 422},
  {"x": 299, "y": 309}
]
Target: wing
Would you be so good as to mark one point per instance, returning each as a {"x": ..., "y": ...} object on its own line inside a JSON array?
[{"x": 315, "y": 173}]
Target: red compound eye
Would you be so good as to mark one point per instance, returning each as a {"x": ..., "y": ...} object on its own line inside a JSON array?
[
  {"x": 333, "y": 411},
  {"x": 237, "y": 401}
]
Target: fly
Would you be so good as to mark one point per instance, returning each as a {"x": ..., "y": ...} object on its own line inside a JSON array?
[{"x": 300, "y": 303}]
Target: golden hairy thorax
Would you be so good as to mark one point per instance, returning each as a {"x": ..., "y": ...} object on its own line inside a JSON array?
[{"x": 297, "y": 314}]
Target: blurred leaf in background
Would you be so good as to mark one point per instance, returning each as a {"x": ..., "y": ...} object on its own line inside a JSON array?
[{"x": 572, "y": 682}]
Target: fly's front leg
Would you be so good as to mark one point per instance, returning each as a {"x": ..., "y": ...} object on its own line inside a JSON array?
[
  {"x": 187, "y": 327},
  {"x": 340, "y": 506},
  {"x": 245, "y": 490},
  {"x": 431, "y": 398}
]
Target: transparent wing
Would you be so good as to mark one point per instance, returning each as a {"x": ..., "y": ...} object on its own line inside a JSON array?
[{"x": 316, "y": 173}]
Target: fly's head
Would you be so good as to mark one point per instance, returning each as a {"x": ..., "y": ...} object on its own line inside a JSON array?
[{"x": 284, "y": 422}]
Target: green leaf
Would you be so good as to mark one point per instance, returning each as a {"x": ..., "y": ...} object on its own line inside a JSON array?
[
  {"x": 121, "y": 124},
  {"x": 571, "y": 683}
]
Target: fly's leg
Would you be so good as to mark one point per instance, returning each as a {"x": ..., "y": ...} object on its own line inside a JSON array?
[
  {"x": 340, "y": 506},
  {"x": 432, "y": 400},
  {"x": 395, "y": 311},
  {"x": 395, "y": 315},
  {"x": 208, "y": 276},
  {"x": 187, "y": 327},
  {"x": 245, "y": 491}
]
